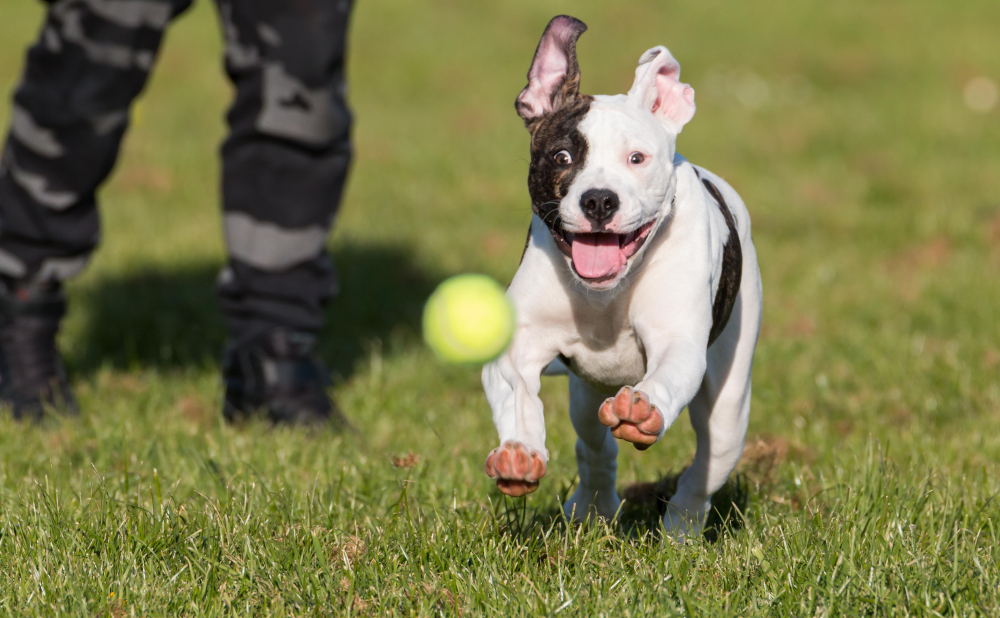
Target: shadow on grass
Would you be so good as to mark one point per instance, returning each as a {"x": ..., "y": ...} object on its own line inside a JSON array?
[
  {"x": 170, "y": 319},
  {"x": 643, "y": 508}
]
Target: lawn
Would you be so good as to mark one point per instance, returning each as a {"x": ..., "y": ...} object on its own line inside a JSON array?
[{"x": 870, "y": 480}]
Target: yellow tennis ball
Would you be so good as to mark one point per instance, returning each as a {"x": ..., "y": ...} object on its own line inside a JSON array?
[{"x": 468, "y": 319}]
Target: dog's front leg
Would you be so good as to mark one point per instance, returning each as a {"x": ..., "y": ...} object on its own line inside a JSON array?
[
  {"x": 512, "y": 383},
  {"x": 673, "y": 376},
  {"x": 642, "y": 413}
]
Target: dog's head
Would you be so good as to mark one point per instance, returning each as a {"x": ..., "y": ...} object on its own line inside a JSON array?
[{"x": 602, "y": 170}]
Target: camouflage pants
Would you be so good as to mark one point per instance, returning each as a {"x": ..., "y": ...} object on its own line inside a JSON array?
[{"x": 284, "y": 162}]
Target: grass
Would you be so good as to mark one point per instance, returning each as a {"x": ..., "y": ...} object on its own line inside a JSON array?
[{"x": 870, "y": 481}]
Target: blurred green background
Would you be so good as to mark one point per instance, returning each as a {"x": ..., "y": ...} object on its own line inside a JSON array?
[{"x": 863, "y": 137}]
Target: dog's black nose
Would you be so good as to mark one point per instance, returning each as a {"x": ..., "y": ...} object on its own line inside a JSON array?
[{"x": 599, "y": 205}]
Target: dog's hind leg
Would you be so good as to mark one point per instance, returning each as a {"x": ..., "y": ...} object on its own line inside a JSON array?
[
  {"x": 719, "y": 414},
  {"x": 596, "y": 456}
]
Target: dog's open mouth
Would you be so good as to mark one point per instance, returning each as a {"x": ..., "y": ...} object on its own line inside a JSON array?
[{"x": 601, "y": 256}]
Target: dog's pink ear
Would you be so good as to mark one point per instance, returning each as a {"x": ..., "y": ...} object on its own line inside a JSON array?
[
  {"x": 658, "y": 88},
  {"x": 554, "y": 77}
]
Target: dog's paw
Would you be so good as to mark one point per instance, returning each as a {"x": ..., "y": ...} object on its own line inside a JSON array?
[
  {"x": 516, "y": 468},
  {"x": 632, "y": 417}
]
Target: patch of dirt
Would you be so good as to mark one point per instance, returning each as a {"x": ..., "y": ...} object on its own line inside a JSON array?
[
  {"x": 792, "y": 138},
  {"x": 844, "y": 427},
  {"x": 447, "y": 601},
  {"x": 760, "y": 456},
  {"x": 794, "y": 324},
  {"x": 352, "y": 548},
  {"x": 801, "y": 327},
  {"x": 817, "y": 193},
  {"x": 361, "y": 606},
  {"x": 851, "y": 67},
  {"x": 193, "y": 410},
  {"x": 932, "y": 253},
  {"x": 406, "y": 461},
  {"x": 59, "y": 440},
  {"x": 470, "y": 121},
  {"x": 995, "y": 232},
  {"x": 137, "y": 176},
  {"x": 905, "y": 266},
  {"x": 900, "y": 417},
  {"x": 802, "y": 406},
  {"x": 990, "y": 358},
  {"x": 493, "y": 244},
  {"x": 764, "y": 453},
  {"x": 929, "y": 254}
]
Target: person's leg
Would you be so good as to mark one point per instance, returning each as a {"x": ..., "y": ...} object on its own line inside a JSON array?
[
  {"x": 284, "y": 167},
  {"x": 68, "y": 117}
]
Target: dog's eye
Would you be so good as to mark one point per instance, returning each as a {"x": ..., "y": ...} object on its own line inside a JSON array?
[
  {"x": 563, "y": 158},
  {"x": 636, "y": 158}
]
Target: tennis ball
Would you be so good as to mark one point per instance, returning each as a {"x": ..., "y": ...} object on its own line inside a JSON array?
[{"x": 468, "y": 319}]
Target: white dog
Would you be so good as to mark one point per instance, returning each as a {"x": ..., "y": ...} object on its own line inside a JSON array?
[{"x": 639, "y": 275}]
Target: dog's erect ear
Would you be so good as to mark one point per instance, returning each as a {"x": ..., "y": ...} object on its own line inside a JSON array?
[
  {"x": 554, "y": 77},
  {"x": 658, "y": 88}
]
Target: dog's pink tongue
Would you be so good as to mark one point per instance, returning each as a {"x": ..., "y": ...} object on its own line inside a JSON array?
[{"x": 596, "y": 255}]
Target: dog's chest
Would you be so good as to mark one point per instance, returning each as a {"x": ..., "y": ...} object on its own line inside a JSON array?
[{"x": 606, "y": 351}]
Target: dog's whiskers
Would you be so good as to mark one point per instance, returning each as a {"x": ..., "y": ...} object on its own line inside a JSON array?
[
  {"x": 556, "y": 219},
  {"x": 554, "y": 211}
]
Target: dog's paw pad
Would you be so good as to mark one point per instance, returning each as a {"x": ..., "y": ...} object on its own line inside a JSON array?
[
  {"x": 632, "y": 417},
  {"x": 516, "y": 468}
]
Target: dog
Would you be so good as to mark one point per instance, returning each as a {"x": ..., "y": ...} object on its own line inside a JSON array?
[{"x": 639, "y": 277}]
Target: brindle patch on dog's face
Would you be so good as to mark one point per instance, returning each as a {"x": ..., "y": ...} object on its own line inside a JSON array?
[{"x": 548, "y": 180}]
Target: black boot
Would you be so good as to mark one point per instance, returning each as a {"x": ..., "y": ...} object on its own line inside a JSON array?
[
  {"x": 32, "y": 376},
  {"x": 277, "y": 374}
]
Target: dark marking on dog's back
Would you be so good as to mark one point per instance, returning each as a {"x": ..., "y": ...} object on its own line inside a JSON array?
[
  {"x": 732, "y": 267},
  {"x": 527, "y": 241}
]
